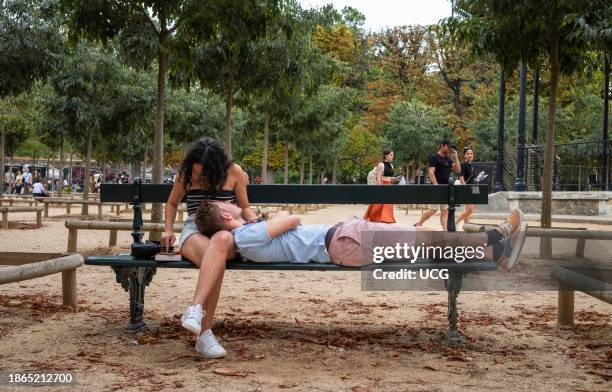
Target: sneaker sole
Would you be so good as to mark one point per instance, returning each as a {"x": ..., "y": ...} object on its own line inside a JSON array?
[
  {"x": 192, "y": 329},
  {"x": 518, "y": 246},
  {"x": 216, "y": 356},
  {"x": 213, "y": 356}
]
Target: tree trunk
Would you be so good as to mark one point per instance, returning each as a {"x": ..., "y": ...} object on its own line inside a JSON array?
[
  {"x": 419, "y": 172},
  {"x": 264, "y": 158},
  {"x": 158, "y": 139},
  {"x": 60, "y": 190},
  {"x": 2, "y": 158},
  {"x": 286, "y": 160},
  {"x": 85, "y": 209},
  {"x": 229, "y": 103},
  {"x": 549, "y": 154},
  {"x": 334, "y": 171},
  {"x": 135, "y": 168},
  {"x": 310, "y": 174},
  {"x": 70, "y": 173},
  {"x": 302, "y": 169},
  {"x": 144, "y": 163}
]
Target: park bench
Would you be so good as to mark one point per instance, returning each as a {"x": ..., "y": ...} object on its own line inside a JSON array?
[
  {"x": 579, "y": 234},
  {"x": 591, "y": 280},
  {"x": 47, "y": 201},
  {"x": 4, "y": 210},
  {"x": 134, "y": 274}
]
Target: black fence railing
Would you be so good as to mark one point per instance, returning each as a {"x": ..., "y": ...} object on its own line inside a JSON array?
[{"x": 580, "y": 166}]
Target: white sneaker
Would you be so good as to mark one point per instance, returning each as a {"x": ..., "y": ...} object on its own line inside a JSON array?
[
  {"x": 192, "y": 319},
  {"x": 208, "y": 346}
]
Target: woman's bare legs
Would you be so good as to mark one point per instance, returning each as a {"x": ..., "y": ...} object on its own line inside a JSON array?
[
  {"x": 210, "y": 256},
  {"x": 466, "y": 215}
]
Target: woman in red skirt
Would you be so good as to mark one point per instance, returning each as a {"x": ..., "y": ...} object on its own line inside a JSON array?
[{"x": 384, "y": 176}]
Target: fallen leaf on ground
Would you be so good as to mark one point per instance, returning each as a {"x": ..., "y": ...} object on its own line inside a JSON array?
[{"x": 226, "y": 371}]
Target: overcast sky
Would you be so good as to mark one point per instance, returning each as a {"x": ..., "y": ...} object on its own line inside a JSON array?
[{"x": 388, "y": 13}]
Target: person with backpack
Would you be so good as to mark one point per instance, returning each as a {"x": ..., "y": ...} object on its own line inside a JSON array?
[{"x": 382, "y": 174}]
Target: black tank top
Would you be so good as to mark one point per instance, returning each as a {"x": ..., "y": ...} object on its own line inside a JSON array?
[
  {"x": 388, "y": 172},
  {"x": 196, "y": 196}
]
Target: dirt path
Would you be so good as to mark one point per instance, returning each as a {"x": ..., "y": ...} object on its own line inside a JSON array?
[{"x": 298, "y": 331}]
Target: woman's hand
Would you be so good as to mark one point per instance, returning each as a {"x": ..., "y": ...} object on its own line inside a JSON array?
[{"x": 167, "y": 239}]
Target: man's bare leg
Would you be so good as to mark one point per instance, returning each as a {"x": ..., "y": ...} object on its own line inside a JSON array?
[{"x": 444, "y": 219}]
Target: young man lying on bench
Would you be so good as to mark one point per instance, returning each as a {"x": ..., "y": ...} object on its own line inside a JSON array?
[{"x": 283, "y": 239}]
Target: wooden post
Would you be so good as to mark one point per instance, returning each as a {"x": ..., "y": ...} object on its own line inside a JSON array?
[
  {"x": 67, "y": 209},
  {"x": 72, "y": 240},
  {"x": 39, "y": 218},
  {"x": 565, "y": 312},
  {"x": 580, "y": 245},
  {"x": 112, "y": 238},
  {"x": 100, "y": 210},
  {"x": 118, "y": 209},
  {"x": 46, "y": 209},
  {"x": 5, "y": 220},
  {"x": 180, "y": 216},
  {"x": 69, "y": 287}
]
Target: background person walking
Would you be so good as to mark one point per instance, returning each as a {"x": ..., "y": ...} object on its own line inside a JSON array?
[
  {"x": 467, "y": 177},
  {"x": 384, "y": 176},
  {"x": 440, "y": 165}
]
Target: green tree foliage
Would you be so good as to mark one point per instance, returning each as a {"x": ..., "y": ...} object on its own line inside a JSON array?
[
  {"x": 29, "y": 50},
  {"x": 148, "y": 30},
  {"x": 87, "y": 86},
  {"x": 531, "y": 31},
  {"x": 221, "y": 51},
  {"x": 414, "y": 130}
]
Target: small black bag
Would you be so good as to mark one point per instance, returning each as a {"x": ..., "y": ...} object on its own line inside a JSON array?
[{"x": 148, "y": 250}]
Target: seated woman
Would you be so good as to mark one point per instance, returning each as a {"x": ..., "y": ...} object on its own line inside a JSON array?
[
  {"x": 206, "y": 173},
  {"x": 284, "y": 239}
]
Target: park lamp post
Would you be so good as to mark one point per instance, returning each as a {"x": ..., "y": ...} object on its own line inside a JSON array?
[
  {"x": 605, "y": 139},
  {"x": 499, "y": 169},
  {"x": 519, "y": 184}
]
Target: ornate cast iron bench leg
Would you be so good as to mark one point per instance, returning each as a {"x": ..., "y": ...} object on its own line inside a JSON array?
[
  {"x": 453, "y": 285},
  {"x": 134, "y": 280}
]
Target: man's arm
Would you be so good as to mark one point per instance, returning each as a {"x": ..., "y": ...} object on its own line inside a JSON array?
[
  {"x": 280, "y": 225},
  {"x": 432, "y": 175},
  {"x": 456, "y": 163}
]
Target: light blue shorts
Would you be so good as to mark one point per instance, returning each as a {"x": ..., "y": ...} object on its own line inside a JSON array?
[{"x": 189, "y": 229}]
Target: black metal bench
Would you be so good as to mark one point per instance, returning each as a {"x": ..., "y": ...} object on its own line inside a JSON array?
[{"x": 135, "y": 274}]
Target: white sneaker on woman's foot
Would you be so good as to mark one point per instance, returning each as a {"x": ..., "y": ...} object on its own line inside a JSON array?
[
  {"x": 208, "y": 346},
  {"x": 192, "y": 319}
]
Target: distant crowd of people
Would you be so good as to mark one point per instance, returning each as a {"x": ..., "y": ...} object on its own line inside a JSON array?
[{"x": 24, "y": 182}]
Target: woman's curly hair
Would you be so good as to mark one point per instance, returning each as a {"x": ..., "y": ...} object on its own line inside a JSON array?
[{"x": 215, "y": 164}]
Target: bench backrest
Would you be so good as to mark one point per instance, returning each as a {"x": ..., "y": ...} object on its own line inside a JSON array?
[
  {"x": 318, "y": 194},
  {"x": 321, "y": 194}
]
